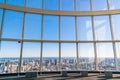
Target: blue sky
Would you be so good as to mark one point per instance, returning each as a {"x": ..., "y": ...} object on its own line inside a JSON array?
[{"x": 13, "y": 23}]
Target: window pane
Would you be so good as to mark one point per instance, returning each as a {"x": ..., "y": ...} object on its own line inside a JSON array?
[
  {"x": 34, "y": 3},
  {"x": 86, "y": 56},
  {"x": 68, "y": 28},
  {"x": 9, "y": 57},
  {"x": 33, "y": 27},
  {"x": 51, "y": 4},
  {"x": 1, "y": 1},
  {"x": 114, "y": 4},
  {"x": 67, "y": 5},
  {"x": 100, "y": 5},
  {"x": 118, "y": 53},
  {"x": 51, "y": 28},
  {"x": 85, "y": 28},
  {"x": 68, "y": 54},
  {"x": 50, "y": 57},
  {"x": 105, "y": 56},
  {"x": 16, "y": 2},
  {"x": 31, "y": 56},
  {"x": 102, "y": 28},
  {"x": 83, "y": 5},
  {"x": 116, "y": 26},
  {"x": 13, "y": 23}
]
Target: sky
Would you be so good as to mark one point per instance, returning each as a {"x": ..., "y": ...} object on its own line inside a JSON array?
[{"x": 13, "y": 22}]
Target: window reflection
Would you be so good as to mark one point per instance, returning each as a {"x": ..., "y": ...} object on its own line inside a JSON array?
[
  {"x": 102, "y": 28},
  {"x": 85, "y": 28}
]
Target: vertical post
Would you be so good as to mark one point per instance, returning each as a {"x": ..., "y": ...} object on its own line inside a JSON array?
[
  {"x": 114, "y": 45},
  {"x": 94, "y": 38},
  {"x": 95, "y": 49},
  {"x": 60, "y": 65},
  {"x": 76, "y": 30},
  {"x": 2, "y": 23},
  {"x": 21, "y": 48},
  {"x": 112, "y": 35},
  {"x": 42, "y": 34}
]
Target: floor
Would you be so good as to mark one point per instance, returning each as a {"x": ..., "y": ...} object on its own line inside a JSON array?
[{"x": 71, "y": 76}]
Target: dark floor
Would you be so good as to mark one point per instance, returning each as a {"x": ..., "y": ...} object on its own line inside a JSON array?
[{"x": 71, "y": 76}]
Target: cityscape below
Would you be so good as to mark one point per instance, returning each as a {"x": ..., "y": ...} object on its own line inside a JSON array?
[{"x": 11, "y": 65}]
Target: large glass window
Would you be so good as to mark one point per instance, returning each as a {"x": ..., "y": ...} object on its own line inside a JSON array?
[
  {"x": 30, "y": 56},
  {"x": 51, "y": 4},
  {"x": 68, "y": 54},
  {"x": 67, "y": 5},
  {"x": 118, "y": 53},
  {"x": 51, "y": 31},
  {"x": 13, "y": 23},
  {"x": 83, "y": 5},
  {"x": 114, "y": 4},
  {"x": 68, "y": 28},
  {"x": 16, "y": 2},
  {"x": 116, "y": 26},
  {"x": 9, "y": 57},
  {"x": 85, "y": 28},
  {"x": 102, "y": 28},
  {"x": 34, "y": 3},
  {"x": 50, "y": 57},
  {"x": 105, "y": 56},
  {"x": 33, "y": 27},
  {"x": 99, "y": 5},
  {"x": 86, "y": 56}
]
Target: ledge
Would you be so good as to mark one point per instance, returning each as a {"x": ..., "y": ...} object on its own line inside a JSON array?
[{"x": 58, "y": 12}]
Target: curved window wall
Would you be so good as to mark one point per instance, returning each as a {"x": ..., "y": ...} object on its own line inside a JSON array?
[{"x": 41, "y": 42}]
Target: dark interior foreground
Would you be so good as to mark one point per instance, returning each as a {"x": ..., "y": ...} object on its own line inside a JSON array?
[{"x": 71, "y": 75}]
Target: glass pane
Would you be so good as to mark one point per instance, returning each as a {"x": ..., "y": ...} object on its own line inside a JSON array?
[
  {"x": 86, "y": 56},
  {"x": 1, "y": 1},
  {"x": 16, "y": 2},
  {"x": 51, "y": 28},
  {"x": 83, "y": 5},
  {"x": 114, "y": 4},
  {"x": 118, "y": 53},
  {"x": 67, "y": 5},
  {"x": 99, "y": 4},
  {"x": 51, "y": 4},
  {"x": 85, "y": 28},
  {"x": 34, "y": 3},
  {"x": 9, "y": 57},
  {"x": 50, "y": 57},
  {"x": 68, "y": 28},
  {"x": 31, "y": 57},
  {"x": 102, "y": 28},
  {"x": 13, "y": 23},
  {"x": 33, "y": 27},
  {"x": 116, "y": 26},
  {"x": 105, "y": 56},
  {"x": 68, "y": 54}
]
